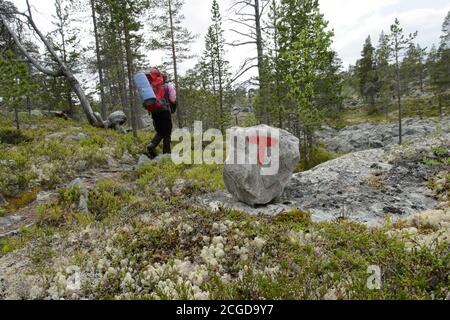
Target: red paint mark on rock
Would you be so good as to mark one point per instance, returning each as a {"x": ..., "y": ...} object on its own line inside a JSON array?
[{"x": 263, "y": 142}]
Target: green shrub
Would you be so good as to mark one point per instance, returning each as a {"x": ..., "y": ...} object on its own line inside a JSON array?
[
  {"x": 69, "y": 197},
  {"x": 294, "y": 217},
  {"x": 15, "y": 173},
  {"x": 51, "y": 215},
  {"x": 13, "y": 136},
  {"x": 106, "y": 200},
  {"x": 318, "y": 156}
]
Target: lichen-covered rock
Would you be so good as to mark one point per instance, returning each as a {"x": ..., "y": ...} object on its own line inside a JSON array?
[{"x": 247, "y": 182}]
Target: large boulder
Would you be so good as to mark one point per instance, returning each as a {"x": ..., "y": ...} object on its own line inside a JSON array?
[
  {"x": 118, "y": 117},
  {"x": 249, "y": 183},
  {"x": 116, "y": 120}
]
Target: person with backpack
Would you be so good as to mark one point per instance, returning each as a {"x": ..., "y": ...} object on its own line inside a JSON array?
[{"x": 161, "y": 111}]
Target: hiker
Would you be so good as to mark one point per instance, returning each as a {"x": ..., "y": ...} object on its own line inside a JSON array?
[{"x": 161, "y": 112}]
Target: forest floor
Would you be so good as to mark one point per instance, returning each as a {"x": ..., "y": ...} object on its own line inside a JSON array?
[{"x": 84, "y": 221}]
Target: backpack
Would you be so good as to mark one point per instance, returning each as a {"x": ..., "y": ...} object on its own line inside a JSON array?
[{"x": 161, "y": 92}]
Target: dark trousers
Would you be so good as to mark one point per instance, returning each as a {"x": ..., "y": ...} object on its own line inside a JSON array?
[{"x": 163, "y": 126}]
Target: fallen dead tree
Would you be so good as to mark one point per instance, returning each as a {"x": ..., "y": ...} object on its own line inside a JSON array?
[{"x": 9, "y": 15}]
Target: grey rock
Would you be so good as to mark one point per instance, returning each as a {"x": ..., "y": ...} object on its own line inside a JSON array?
[
  {"x": 118, "y": 117},
  {"x": 76, "y": 137},
  {"x": 55, "y": 136},
  {"x": 83, "y": 204},
  {"x": 362, "y": 186},
  {"x": 36, "y": 113},
  {"x": 127, "y": 158},
  {"x": 223, "y": 199},
  {"x": 143, "y": 159},
  {"x": 98, "y": 117},
  {"x": 10, "y": 220},
  {"x": 78, "y": 183},
  {"x": 247, "y": 183},
  {"x": 44, "y": 196},
  {"x": 146, "y": 122},
  {"x": 380, "y": 135},
  {"x": 116, "y": 120},
  {"x": 161, "y": 158}
]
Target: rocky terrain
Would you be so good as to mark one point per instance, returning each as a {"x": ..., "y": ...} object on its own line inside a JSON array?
[
  {"x": 363, "y": 186},
  {"x": 380, "y": 135},
  {"x": 105, "y": 222},
  {"x": 369, "y": 183}
]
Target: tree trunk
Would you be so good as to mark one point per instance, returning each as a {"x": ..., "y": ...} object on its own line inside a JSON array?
[
  {"x": 29, "y": 103},
  {"x": 16, "y": 118},
  {"x": 175, "y": 68},
  {"x": 261, "y": 73},
  {"x": 399, "y": 99},
  {"x": 99, "y": 63},
  {"x": 130, "y": 76}
]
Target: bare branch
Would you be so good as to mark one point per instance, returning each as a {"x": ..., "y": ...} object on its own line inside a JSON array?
[
  {"x": 244, "y": 68},
  {"x": 243, "y": 23},
  {"x": 243, "y": 34},
  {"x": 239, "y": 44}
]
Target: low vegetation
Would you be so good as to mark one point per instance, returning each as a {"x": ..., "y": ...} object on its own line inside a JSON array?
[{"x": 146, "y": 237}]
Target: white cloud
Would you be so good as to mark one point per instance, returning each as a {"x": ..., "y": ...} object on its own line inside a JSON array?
[{"x": 352, "y": 21}]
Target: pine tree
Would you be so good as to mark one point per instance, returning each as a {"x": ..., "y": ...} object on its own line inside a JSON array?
[
  {"x": 218, "y": 66},
  {"x": 366, "y": 71},
  {"x": 440, "y": 68},
  {"x": 384, "y": 73},
  {"x": 170, "y": 35},
  {"x": 99, "y": 61},
  {"x": 67, "y": 45},
  {"x": 413, "y": 67},
  {"x": 305, "y": 57},
  {"x": 15, "y": 84},
  {"x": 120, "y": 23},
  {"x": 398, "y": 43}
]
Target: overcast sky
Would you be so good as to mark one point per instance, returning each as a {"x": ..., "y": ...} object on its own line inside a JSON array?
[{"x": 351, "y": 20}]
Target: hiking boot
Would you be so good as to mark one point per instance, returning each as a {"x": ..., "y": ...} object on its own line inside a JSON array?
[{"x": 151, "y": 152}]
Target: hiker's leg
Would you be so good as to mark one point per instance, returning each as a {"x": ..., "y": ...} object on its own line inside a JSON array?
[
  {"x": 166, "y": 144},
  {"x": 153, "y": 145},
  {"x": 157, "y": 140}
]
